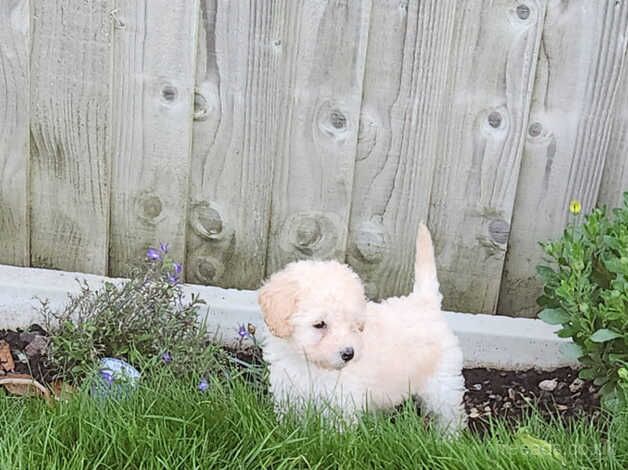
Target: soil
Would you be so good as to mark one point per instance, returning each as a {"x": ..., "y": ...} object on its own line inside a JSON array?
[{"x": 508, "y": 395}]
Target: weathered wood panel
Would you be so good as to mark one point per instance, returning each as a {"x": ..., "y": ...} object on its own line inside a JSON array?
[
  {"x": 14, "y": 132},
  {"x": 489, "y": 86},
  {"x": 615, "y": 179},
  {"x": 323, "y": 55},
  {"x": 408, "y": 51},
  {"x": 70, "y": 130},
  {"x": 236, "y": 122},
  {"x": 153, "y": 89},
  {"x": 584, "y": 48}
]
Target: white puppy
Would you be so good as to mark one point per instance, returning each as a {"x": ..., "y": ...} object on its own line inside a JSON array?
[{"x": 328, "y": 346}]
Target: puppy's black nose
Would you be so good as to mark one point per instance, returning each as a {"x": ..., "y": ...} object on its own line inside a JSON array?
[{"x": 346, "y": 354}]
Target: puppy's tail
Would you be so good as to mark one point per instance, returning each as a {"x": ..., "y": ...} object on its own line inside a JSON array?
[{"x": 425, "y": 278}]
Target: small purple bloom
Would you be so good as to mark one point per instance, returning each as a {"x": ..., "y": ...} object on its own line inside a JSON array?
[
  {"x": 243, "y": 331},
  {"x": 164, "y": 247},
  {"x": 177, "y": 268},
  {"x": 153, "y": 255},
  {"x": 173, "y": 279},
  {"x": 203, "y": 385},
  {"x": 107, "y": 376},
  {"x": 166, "y": 357}
]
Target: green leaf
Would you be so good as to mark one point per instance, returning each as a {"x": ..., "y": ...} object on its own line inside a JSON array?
[
  {"x": 571, "y": 350},
  {"x": 600, "y": 381},
  {"x": 554, "y": 316},
  {"x": 603, "y": 335},
  {"x": 586, "y": 374},
  {"x": 545, "y": 273}
]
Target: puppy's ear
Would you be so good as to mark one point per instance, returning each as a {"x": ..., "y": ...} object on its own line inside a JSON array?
[{"x": 278, "y": 300}]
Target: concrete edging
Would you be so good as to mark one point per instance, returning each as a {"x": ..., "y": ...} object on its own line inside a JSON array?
[{"x": 487, "y": 340}]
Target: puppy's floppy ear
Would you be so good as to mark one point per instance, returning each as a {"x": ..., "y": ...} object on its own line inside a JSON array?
[{"x": 278, "y": 300}]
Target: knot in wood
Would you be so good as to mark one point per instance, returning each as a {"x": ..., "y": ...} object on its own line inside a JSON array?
[
  {"x": 169, "y": 93},
  {"x": 200, "y": 107},
  {"x": 307, "y": 234},
  {"x": 499, "y": 231},
  {"x": 495, "y": 119},
  {"x": 206, "y": 269},
  {"x": 523, "y": 11},
  {"x": 206, "y": 221},
  {"x": 338, "y": 120},
  {"x": 535, "y": 129},
  {"x": 370, "y": 243},
  {"x": 152, "y": 206}
]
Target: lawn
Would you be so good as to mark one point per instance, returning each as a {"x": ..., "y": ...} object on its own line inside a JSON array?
[{"x": 169, "y": 423}]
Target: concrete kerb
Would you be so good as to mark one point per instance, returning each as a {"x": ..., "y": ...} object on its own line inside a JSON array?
[{"x": 487, "y": 340}]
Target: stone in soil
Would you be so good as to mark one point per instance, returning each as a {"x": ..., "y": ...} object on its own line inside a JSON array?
[{"x": 511, "y": 395}]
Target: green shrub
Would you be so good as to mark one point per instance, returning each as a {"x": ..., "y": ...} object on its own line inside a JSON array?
[
  {"x": 140, "y": 319},
  {"x": 586, "y": 292}
]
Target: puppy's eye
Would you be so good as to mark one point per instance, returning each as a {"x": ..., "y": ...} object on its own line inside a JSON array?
[{"x": 320, "y": 325}]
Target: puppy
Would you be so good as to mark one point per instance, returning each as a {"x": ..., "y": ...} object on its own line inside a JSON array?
[{"x": 331, "y": 348}]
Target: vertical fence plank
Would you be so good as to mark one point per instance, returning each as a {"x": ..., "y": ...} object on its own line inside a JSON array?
[
  {"x": 408, "y": 49},
  {"x": 70, "y": 130},
  {"x": 324, "y": 46},
  {"x": 153, "y": 89},
  {"x": 235, "y": 129},
  {"x": 14, "y": 135},
  {"x": 489, "y": 88},
  {"x": 584, "y": 47},
  {"x": 615, "y": 179}
]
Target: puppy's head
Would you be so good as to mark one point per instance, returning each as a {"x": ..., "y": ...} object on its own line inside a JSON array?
[{"x": 318, "y": 307}]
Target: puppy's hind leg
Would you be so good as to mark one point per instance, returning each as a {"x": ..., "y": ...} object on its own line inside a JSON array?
[{"x": 443, "y": 394}]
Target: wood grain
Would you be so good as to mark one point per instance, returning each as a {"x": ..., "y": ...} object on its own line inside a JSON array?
[
  {"x": 70, "y": 130},
  {"x": 489, "y": 84},
  {"x": 153, "y": 89},
  {"x": 582, "y": 55},
  {"x": 237, "y": 116},
  {"x": 323, "y": 55},
  {"x": 408, "y": 54},
  {"x": 615, "y": 178},
  {"x": 14, "y": 132}
]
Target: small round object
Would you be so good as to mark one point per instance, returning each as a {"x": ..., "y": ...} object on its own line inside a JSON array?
[{"x": 115, "y": 378}]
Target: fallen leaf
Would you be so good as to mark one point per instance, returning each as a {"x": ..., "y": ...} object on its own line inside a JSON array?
[
  {"x": 23, "y": 385},
  {"x": 62, "y": 390},
  {"x": 537, "y": 446},
  {"x": 6, "y": 358}
]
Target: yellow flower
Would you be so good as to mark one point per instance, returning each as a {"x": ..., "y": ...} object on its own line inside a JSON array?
[{"x": 575, "y": 207}]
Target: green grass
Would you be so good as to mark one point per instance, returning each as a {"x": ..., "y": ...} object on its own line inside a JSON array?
[{"x": 169, "y": 424}]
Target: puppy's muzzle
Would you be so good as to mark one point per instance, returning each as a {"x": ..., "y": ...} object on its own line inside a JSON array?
[{"x": 347, "y": 354}]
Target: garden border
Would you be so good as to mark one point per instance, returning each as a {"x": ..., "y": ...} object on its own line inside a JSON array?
[{"x": 487, "y": 340}]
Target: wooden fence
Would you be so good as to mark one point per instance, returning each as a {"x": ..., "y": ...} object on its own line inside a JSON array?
[{"x": 251, "y": 133}]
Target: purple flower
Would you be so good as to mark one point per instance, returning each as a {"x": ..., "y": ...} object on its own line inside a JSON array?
[
  {"x": 177, "y": 268},
  {"x": 166, "y": 357},
  {"x": 203, "y": 385},
  {"x": 164, "y": 247},
  {"x": 243, "y": 332},
  {"x": 153, "y": 255},
  {"x": 172, "y": 279},
  {"x": 107, "y": 376}
]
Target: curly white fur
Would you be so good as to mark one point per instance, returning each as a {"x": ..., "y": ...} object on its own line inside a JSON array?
[{"x": 316, "y": 311}]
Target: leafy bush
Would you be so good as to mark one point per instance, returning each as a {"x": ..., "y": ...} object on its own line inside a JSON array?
[
  {"x": 586, "y": 292},
  {"x": 142, "y": 318}
]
